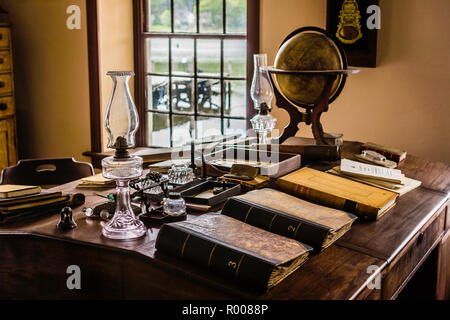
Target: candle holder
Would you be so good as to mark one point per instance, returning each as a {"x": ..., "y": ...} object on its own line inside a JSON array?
[{"x": 121, "y": 123}]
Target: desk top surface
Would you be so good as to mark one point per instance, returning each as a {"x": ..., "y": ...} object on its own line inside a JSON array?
[{"x": 339, "y": 272}]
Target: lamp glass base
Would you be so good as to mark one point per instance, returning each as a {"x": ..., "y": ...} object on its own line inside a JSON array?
[{"x": 124, "y": 225}]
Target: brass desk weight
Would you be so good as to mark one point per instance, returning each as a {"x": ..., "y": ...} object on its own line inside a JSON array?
[{"x": 121, "y": 123}]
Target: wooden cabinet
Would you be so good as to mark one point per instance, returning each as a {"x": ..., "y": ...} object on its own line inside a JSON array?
[
  {"x": 8, "y": 139},
  {"x": 8, "y": 154}
]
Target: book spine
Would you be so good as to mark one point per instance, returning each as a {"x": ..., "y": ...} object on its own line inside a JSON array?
[
  {"x": 273, "y": 221},
  {"x": 217, "y": 257},
  {"x": 388, "y": 154},
  {"x": 323, "y": 198}
]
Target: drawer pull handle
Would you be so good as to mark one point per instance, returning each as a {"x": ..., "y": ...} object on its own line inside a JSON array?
[
  {"x": 420, "y": 238},
  {"x": 3, "y": 106},
  {"x": 1, "y": 36},
  {"x": 1, "y": 60},
  {"x": 2, "y": 84}
]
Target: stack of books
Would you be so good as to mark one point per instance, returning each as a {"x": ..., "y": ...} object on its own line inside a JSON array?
[
  {"x": 259, "y": 238},
  {"x": 385, "y": 178},
  {"x": 18, "y": 201},
  {"x": 96, "y": 181}
]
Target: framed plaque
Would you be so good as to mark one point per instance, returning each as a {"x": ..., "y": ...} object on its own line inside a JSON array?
[{"x": 355, "y": 24}]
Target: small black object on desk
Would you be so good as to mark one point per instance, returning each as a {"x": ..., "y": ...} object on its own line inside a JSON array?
[
  {"x": 192, "y": 165},
  {"x": 66, "y": 221}
]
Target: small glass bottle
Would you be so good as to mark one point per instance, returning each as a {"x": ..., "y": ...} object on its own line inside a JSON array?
[{"x": 174, "y": 205}]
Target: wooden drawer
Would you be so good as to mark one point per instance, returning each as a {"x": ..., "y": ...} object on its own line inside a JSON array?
[
  {"x": 7, "y": 107},
  {"x": 4, "y": 38},
  {"x": 5, "y": 84},
  {"x": 8, "y": 152},
  {"x": 5, "y": 61},
  {"x": 443, "y": 281},
  {"x": 411, "y": 257}
]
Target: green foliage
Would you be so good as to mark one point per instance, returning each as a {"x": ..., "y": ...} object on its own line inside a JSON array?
[{"x": 210, "y": 11}]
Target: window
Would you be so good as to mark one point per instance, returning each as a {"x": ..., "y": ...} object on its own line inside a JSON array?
[{"x": 192, "y": 69}]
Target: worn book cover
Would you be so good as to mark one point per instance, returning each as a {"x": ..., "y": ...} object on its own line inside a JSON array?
[
  {"x": 35, "y": 204},
  {"x": 390, "y": 153},
  {"x": 37, "y": 209},
  {"x": 289, "y": 216},
  {"x": 4, "y": 203},
  {"x": 233, "y": 249},
  {"x": 13, "y": 190},
  {"x": 365, "y": 201}
]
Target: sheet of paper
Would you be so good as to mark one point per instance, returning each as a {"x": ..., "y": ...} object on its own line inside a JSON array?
[{"x": 367, "y": 170}]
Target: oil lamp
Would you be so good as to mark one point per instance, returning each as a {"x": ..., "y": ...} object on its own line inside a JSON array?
[
  {"x": 121, "y": 123},
  {"x": 261, "y": 93}
]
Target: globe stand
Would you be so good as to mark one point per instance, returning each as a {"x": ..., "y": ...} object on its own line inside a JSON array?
[
  {"x": 310, "y": 117},
  {"x": 300, "y": 53}
]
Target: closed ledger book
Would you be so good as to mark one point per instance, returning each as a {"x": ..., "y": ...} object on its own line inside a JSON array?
[
  {"x": 25, "y": 203},
  {"x": 21, "y": 208},
  {"x": 234, "y": 249},
  {"x": 289, "y": 216},
  {"x": 13, "y": 190},
  {"x": 390, "y": 153},
  {"x": 365, "y": 201}
]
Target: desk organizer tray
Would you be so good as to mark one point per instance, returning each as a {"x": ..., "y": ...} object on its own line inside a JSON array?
[
  {"x": 157, "y": 216},
  {"x": 202, "y": 193},
  {"x": 271, "y": 164}
]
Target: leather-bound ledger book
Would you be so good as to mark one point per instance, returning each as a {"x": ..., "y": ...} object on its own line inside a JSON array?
[
  {"x": 4, "y": 203},
  {"x": 234, "y": 249},
  {"x": 289, "y": 216},
  {"x": 365, "y": 201}
]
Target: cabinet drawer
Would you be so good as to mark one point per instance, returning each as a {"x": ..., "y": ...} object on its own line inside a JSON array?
[
  {"x": 5, "y": 84},
  {"x": 7, "y": 107},
  {"x": 5, "y": 61},
  {"x": 8, "y": 152},
  {"x": 4, "y": 38},
  {"x": 411, "y": 256}
]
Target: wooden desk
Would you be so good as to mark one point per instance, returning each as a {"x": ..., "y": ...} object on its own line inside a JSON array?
[{"x": 409, "y": 244}]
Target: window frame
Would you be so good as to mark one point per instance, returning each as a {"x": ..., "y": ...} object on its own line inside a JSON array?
[{"x": 252, "y": 37}]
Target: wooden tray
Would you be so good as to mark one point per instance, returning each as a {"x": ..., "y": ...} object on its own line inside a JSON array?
[
  {"x": 202, "y": 193},
  {"x": 157, "y": 216},
  {"x": 271, "y": 164}
]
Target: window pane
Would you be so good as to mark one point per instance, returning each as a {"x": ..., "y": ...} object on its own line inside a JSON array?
[
  {"x": 158, "y": 129},
  {"x": 183, "y": 56},
  {"x": 235, "y": 58},
  {"x": 208, "y": 57},
  {"x": 234, "y": 126},
  {"x": 182, "y": 95},
  {"x": 184, "y": 16},
  {"x": 158, "y": 93},
  {"x": 157, "y": 55},
  {"x": 208, "y": 96},
  {"x": 158, "y": 16},
  {"x": 182, "y": 128},
  {"x": 207, "y": 127},
  {"x": 211, "y": 16},
  {"x": 236, "y": 16},
  {"x": 235, "y": 92}
]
